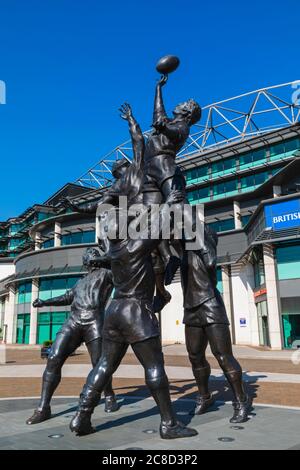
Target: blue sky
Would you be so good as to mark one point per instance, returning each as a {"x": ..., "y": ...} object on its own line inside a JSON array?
[{"x": 69, "y": 64}]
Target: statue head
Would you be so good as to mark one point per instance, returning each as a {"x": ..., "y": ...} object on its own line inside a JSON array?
[
  {"x": 120, "y": 167},
  {"x": 190, "y": 111},
  {"x": 91, "y": 258}
]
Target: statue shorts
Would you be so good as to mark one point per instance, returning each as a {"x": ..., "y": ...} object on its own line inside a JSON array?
[
  {"x": 210, "y": 312},
  {"x": 157, "y": 170},
  {"x": 130, "y": 321},
  {"x": 84, "y": 326}
]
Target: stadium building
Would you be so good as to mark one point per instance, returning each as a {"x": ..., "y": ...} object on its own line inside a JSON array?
[{"x": 242, "y": 162}]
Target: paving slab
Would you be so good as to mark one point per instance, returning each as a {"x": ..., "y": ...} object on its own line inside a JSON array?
[{"x": 135, "y": 425}]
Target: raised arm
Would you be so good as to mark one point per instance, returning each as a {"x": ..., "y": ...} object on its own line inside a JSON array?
[
  {"x": 159, "y": 113},
  {"x": 87, "y": 208},
  {"x": 65, "y": 299},
  {"x": 137, "y": 138},
  {"x": 151, "y": 236}
]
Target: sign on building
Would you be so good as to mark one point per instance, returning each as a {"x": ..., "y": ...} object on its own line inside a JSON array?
[{"x": 283, "y": 215}]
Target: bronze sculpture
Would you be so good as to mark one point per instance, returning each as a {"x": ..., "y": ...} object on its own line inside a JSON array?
[
  {"x": 130, "y": 319},
  {"x": 206, "y": 322},
  {"x": 87, "y": 299}
]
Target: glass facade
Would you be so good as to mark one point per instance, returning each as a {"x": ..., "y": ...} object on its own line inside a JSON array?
[
  {"x": 48, "y": 243},
  {"x": 222, "y": 225},
  {"x": 288, "y": 262},
  {"x": 229, "y": 187},
  {"x": 24, "y": 293},
  {"x": 23, "y": 328},
  {"x": 290, "y": 309},
  {"x": 49, "y": 323},
  {"x": 259, "y": 273},
  {"x": 232, "y": 165},
  {"x": 263, "y": 324},
  {"x": 78, "y": 238},
  {"x": 219, "y": 280},
  {"x": 54, "y": 287}
]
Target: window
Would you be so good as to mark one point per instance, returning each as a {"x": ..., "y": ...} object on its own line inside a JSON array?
[
  {"x": 197, "y": 174},
  {"x": 223, "y": 166},
  {"x": 260, "y": 178},
  {"x": 245, "y": 219},
  {"x": 252, "y": 158},
  {"x": 251, "y": 181},
  {"x": 292, "y": 144},
  {"x": 246, "y": 159},
  {"x": 49, "y": 323},
  {"x": 259, "y": 273},
  {"x": 288, "y": 262},
  {"x": 219, "y": 280},
  {"x": 24, "y": 293},
  {"x": 290, "y": 308},
  {"x": 247, "y": 181},
  {"x": 78, "y": 238},
  {"x": 48, "y": 243},
  {"x": 277, "y": 149},
  {"x": 222, "y": 225},
  {"x": 258, "y": 155},
  {"x": 42, "y": 216},
  {"x": 56, "y": 286},
  {"x": 225, "y": 188},
  {"x": 200, "y": 194}
]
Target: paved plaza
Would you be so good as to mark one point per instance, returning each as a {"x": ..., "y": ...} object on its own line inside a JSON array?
[
  {"x": 135, "y": 426},
  {"x": 272, "y": 380}
]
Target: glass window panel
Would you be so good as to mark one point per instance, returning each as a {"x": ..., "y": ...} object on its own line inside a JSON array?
[
  {"x": 230, "y": 185},
  {"x": 71, "y": 281},
  {"x": 277, "y": 149},
  {"x": 229, "y": 163},
  {"x": 202, "y": 170},
  {"x": 261, "y": 177},
  {"x": 247, "y": 181},
  {"x": 259, "y": 155},
  {"x": 292, "y": 144},
  {"x": 246, "y": 159},
  {"x": 218, "y": 188},
  {"x": 217, "y": 166},
  {"x": 288, "y": 262},
  {"x": 59, "y": 286},
  {"x": 88, "y": 236}
]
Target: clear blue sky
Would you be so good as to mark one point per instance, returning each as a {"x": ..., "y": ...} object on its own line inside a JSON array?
[{"x": 69, "y": 64}]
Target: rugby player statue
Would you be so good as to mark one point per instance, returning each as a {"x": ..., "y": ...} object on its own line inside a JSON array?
[{"x": 88, "y": 299}]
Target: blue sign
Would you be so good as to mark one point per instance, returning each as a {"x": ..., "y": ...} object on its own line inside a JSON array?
[{"x": 283, "y": 215}]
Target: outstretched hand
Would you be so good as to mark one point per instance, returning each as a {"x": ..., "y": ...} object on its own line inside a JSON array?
[
  {"x": 175, "y": 196},
  {"x": 126, "y": 111},
  {"x": 163, "y": 80}
]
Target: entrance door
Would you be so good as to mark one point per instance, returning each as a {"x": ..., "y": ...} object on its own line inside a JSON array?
[
  {"x": 263, "y": 324},
  {"x": 23, "y": 328}
]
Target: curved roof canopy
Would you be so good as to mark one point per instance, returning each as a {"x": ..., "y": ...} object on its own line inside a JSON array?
[{"x": 224, "y": 122}]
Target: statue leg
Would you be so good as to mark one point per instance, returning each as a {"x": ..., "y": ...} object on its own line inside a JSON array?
[
  {"x": 162, "y": 296},
  {"x": 65, "y": 344},
  {"x": 95, "y": 349},
  {"x": 196, "y": 344},
  {"x": 220, "y": 342},
  {"x": 112, "y": 354},
  {"x": 149, "y": 353}
]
